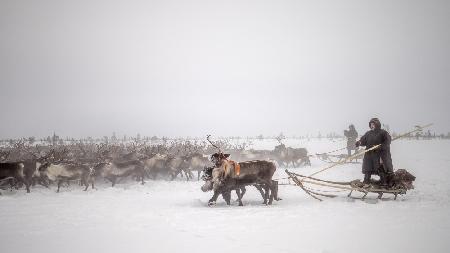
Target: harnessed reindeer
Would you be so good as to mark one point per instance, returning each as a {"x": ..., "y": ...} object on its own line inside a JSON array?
[{"x": 228, "y": 175}]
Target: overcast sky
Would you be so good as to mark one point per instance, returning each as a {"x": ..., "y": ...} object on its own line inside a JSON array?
[{"x": 191, "y": 68}]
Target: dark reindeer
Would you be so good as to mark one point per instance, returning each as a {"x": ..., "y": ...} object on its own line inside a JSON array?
[
  {"x": 23, "y": 172},
  {"x": 287, "y": 155}
]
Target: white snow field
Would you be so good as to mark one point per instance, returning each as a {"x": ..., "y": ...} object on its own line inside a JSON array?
[{"x": 163, "y": 216}]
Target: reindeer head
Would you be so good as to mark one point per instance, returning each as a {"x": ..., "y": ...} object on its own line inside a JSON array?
[
  {"x": 43, "y": 167},
  {"x": 40, "y": 156},
  {"x": 218, "y": 158}
]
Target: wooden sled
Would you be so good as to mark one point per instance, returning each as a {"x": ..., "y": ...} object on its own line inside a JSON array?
[{"x": 402, "y": 182}]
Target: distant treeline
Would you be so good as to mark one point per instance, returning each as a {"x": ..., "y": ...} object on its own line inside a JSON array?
[{"x": 57, "y": 140}]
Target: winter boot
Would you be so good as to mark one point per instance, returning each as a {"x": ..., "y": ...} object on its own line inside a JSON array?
[
  {"x": 383, "y": 180},
  {"x": 367, "y": 178}
]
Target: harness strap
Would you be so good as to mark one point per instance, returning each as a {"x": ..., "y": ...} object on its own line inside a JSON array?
[{"x": 237, "y": 167}]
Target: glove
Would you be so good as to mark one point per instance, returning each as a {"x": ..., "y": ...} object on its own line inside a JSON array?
[{"x": 357, "y": 144}]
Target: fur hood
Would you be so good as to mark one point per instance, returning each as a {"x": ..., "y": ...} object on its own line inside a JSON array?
[{"x": 377, "y": 123}]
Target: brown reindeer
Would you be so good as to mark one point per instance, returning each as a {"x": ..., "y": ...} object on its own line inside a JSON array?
[
  {"x": 240, "y": 189},
  {"x": 228, "y": 175}
]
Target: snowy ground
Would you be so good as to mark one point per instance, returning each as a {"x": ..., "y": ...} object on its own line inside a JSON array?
[{"x": 165, "y": 216}]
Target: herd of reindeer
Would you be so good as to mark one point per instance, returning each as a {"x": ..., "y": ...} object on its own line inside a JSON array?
[{"x": 23, "y": 165}]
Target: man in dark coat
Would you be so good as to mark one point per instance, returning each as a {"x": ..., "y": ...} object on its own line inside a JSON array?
[
  {"x": 377, "y": 161},
  {"x": 351, "y": 135}
]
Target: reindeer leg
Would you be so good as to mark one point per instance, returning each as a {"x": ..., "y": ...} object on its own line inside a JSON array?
[
  {"x": 12, "y": 184},
  {"x": 227, "y": 197},
  {"x": 142, "y": 175},
  {"x": 213, "y": 200},
  {"x": 224, "y": 196},
  {"x": 186, "y": 174},
  {"x": 42, "y": 181},
  {"x": 272, "y": 192},
  {"x": 60, "y": 181},
  {"x": 146, "y": 174},
  {"x": 84, "y": 181},
  {"x": 238, "y": 193},
  {"x": 275, "y": 186},
  {"x": 259, "y": 188},
  {"x": 243, "y": 191},
  {"x": 189, "y": 174},
  {"x": 87, "y": 185},
  {"x": 18, "y": 184},
  {"x": 266, "y": 193},
  {"x": 174, "y": 175},
  {"x": 27, "y": 185}
]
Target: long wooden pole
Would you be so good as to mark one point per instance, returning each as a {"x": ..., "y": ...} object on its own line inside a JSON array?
[{"x": 345, "y": 160}]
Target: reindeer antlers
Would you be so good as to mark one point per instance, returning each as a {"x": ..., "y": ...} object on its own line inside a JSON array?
[
  {"x": 61, "y": 155},
  {"x": 279, "y": 139},
  {"x": 207, "y": 137},
  {"x": 4, "y": 155}
]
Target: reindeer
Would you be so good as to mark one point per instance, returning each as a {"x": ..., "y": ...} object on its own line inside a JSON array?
[
  {"x": 286, "y": 155},
  {"x": 13, "y": 172},
  {"x": 197, "y": 162},
  {"x": 114, "y": 169},
  {"x": 228, "y": 175},
  {"x": 67, "y": 171},
  {"x": 22, "y": 172},
  {"x": 177, "y": 165},
  {"x": 240, "y": 189},
  {"x": 154, "y": 165}
]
